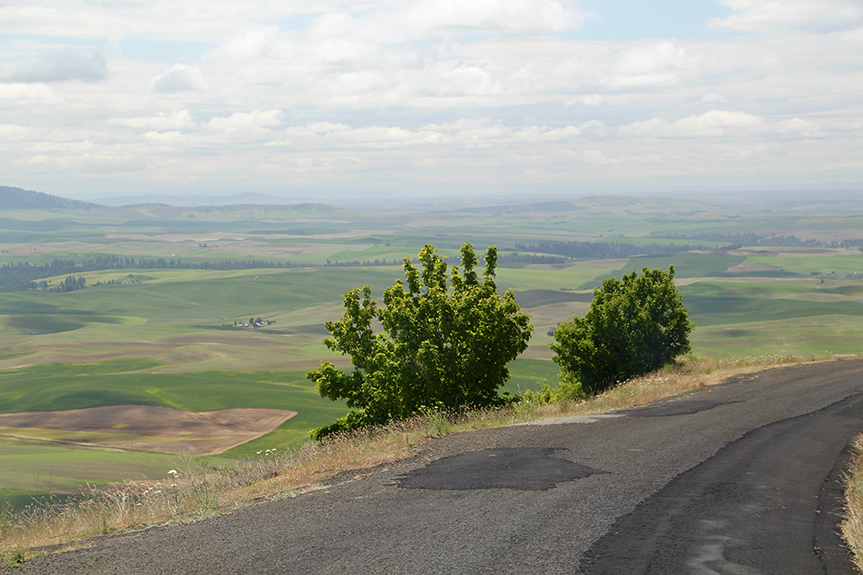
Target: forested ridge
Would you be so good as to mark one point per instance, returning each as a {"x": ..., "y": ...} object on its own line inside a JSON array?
[{"x": 23, "y": 276}]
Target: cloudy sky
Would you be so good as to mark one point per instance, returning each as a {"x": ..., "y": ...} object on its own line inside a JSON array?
[{"x": 434, "y": 98}]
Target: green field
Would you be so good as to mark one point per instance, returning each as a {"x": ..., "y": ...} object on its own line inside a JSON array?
[{"x": 167, "y": 337}]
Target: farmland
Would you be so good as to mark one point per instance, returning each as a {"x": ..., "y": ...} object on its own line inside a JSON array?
[{"x": 172, "y": 337}]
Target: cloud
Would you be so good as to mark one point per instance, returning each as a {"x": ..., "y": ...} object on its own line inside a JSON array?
[
  {"x": 798, "y": 127},
  {"x": 178, "y": 78},
  {"x": 655, "y": 64},
  {"x": 457, "y": 79},
  {"x": 594, "y": 130},
  {"x": 180, "y": 120},
  {"x": 65, "y": 65},
  {"x": 816, "y": 16},
  {"x": 495, "y": 15},
  {"x": 13, "y": 133},
  {"x": 432, "y": 91},
  {"x": 165, "y": 137},
  {"x": 463, "y": 133},
  {"x": 710, "y": 124},
  {"x": 246, "y": 120},
  {"x": 26, "y": 94}
]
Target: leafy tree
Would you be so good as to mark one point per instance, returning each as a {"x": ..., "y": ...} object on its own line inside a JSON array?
[
  {"x": 634, "y": 326},
  {"x": 445, "y": 343}
]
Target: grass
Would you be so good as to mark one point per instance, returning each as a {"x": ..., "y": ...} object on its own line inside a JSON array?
[
  {"x": 851, "y": 526},
  {"x": 51, "y": 387},
  {"x": 31, "y": 470},
  {"x": 202, "y": 488},
  {"x": 817, "y": 336},
  {"x": 687, "y": 264}
]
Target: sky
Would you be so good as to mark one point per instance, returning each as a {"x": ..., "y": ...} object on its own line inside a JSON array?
[{"x": 342, "y": 99}]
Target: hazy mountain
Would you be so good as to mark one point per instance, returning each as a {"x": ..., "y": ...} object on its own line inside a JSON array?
[
  {"x": 199, "y": 200},
  {"x": 18, "y": 199}
]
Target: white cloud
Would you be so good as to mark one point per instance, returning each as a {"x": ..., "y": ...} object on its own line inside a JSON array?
[
  {"x": 246, "y": 121},
  {"x": 430, "y": 92},
  {"x": 497, "y": 15},
  {"x": 594, "y": 130},
  {"x": 656, "y": 64},
  {"x": 64, "y": 65},
  {"x": 315, "y": 129},
  {"x": 463, "y": 132},
  {"x": 457, "y": 79},
  {"x": 710, "y": 124},
  {"x": 254, "y": 41},
  {"x": 179, "y": 78},
  {"x": 166, "y": 137},
  {"x": 180, "y": 120},
  {"x": 818, "y": 16},
  {"x": 26, "y": 94},
  {"x": 13, "y": 133},
  {"x": 798, "y": 127}
]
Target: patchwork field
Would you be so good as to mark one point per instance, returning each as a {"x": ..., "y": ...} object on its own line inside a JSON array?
[
  {"x": 112, "y": 380},
  {"x": 146, "y": 427}
]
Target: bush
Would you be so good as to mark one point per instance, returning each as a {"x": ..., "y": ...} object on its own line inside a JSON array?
[
  {"x": 634, "y": 326},
  {"x": 445, "y": 343}
]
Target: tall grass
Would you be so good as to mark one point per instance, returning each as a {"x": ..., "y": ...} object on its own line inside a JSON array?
[
  {"x": 196, "y": 490},
  {"x": 851, "y": 526}
]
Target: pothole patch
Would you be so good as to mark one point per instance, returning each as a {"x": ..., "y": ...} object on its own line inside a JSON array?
[{"x": 524, "y": 468}]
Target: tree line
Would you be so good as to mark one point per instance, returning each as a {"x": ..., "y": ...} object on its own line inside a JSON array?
[
  {"x": 739, "y": 240},
  {"x": 24, "y": 276},
  {"x": 67, "y": 285}
]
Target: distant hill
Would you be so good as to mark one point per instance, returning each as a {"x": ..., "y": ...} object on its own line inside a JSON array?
[
  {"x": 193, "y": 200},
  {"x": 598, "y": 204},
  {"x": 18, "y": 199}
]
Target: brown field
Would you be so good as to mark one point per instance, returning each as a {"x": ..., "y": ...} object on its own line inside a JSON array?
[
  {"x": 146, "y": 428},
  {"x": 750, "y": 268}
]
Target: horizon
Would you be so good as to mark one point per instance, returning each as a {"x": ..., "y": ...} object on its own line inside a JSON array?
[
  {"x": 352, "y": 103},
  {"x": 773, "y": 198}
]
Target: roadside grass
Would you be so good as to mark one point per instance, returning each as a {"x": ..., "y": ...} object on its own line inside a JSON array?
[
  {"x": 851, "y": 526},
  {"x": 201, "y": 487}
]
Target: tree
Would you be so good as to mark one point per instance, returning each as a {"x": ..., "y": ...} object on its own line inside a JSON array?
[
  {"x": 634, "y": 326},
  {"x": 439, "y": 348}
]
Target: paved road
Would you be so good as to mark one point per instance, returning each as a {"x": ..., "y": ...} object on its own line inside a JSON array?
[{"x": 734, "y": 479}]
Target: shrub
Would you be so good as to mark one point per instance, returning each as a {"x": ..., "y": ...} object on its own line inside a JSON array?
[
  {"x": 445, "y": 343},
  {"x": 634, "y": 326}
]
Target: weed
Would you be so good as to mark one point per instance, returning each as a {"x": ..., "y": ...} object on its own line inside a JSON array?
[{"x": 16, "y": 558}]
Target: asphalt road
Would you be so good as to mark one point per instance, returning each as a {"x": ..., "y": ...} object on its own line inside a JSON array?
[{"x": 739, "y": 478}]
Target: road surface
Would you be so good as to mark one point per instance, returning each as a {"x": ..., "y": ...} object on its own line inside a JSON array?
[{"x": 739, "y": 478}]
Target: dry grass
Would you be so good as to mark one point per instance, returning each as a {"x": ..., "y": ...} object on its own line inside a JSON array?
[
  {"x": 852, "y": 522},
  {"x": 197, "y": 491}
]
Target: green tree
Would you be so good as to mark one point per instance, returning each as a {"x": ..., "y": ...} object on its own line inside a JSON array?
[
  {"x": 634, "y": 326},
  {"x": 445, "y": 343}
]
